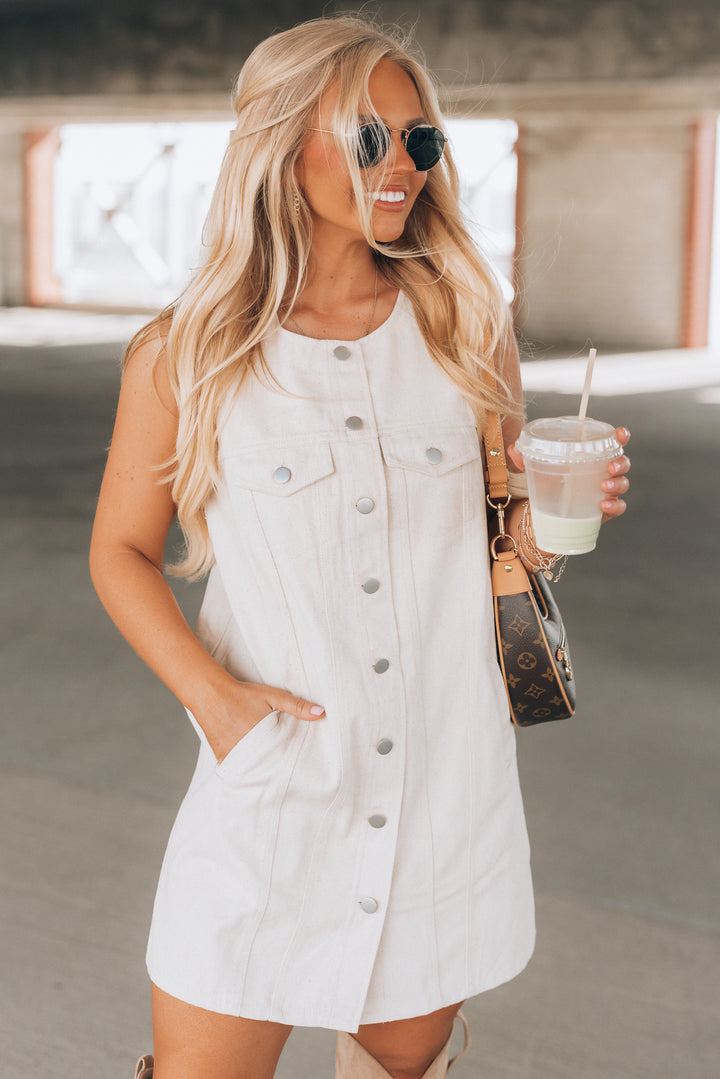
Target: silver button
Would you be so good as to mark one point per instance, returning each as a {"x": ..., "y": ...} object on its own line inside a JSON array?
[
  {"x": 434, "y": 455},
  {"x": 371, "y": 585},
  {"x": 341, "y": 353},
  {"x": 282, "y": 475},
  {"x": 369, "y": 905},
  {"x": 353, "y": 423},
  {"x": 377, "y": 820},
  {"x": 381, "y": 666},
  {"x": 365, "y": 505},
  {"x": 384, "y": 746}
]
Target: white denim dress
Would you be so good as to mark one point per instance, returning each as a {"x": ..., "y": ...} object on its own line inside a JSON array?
[{"x": 372, "y": 865}]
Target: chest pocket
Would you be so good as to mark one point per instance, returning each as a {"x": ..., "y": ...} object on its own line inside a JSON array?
[
  {"x": 441, "y": 472},
  {"x": 285, "y": 490},
  {"x": 281, "y": 472}
]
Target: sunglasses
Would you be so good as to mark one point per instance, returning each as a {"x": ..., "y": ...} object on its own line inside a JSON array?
[{"x": 424, "y": 144}]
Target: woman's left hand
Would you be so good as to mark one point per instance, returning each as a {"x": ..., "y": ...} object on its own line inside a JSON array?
[
  {"x": 615, "y": 485},
  {"x": 617, "y": 482}
]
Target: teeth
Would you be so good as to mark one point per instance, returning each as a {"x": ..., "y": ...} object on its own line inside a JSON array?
[{"x": 389, "y": 196}]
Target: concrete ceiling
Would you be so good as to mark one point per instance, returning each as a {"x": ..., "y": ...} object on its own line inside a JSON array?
[{"x": 62, "y": 47}]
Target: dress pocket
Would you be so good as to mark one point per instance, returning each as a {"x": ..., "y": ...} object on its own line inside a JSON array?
[{"x": 259, "y": 742}]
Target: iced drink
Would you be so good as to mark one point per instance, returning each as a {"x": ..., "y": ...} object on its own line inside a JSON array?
[{"x": 566, "y": 460}]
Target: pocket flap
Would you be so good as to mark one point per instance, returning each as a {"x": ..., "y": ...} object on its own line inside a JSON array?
[
  {"x": 433, "y": 453},
  {"x": 281, "y": 471}
]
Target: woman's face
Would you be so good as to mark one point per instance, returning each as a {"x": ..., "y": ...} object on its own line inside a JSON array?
[{"x": 393, "y": 185}]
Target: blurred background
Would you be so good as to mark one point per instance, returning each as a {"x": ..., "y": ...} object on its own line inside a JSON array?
[{"x": 586, "y": 136}]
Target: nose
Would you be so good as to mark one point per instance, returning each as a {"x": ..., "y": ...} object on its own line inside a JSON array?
[{"x": 399, "y": 158}]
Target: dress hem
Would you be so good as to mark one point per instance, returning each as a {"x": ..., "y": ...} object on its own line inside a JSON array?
[{"x": 223, "y": 1006}]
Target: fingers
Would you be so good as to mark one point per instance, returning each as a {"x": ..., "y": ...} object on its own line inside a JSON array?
[
  {"x": 244, "y": 706},
  {"x": 617, "y": 482},
  {"x": 619, "y": 466},
  {"x": 617, "y": 486},
  {"x": 282, "y": 701},
  {"x": 612, "y": 508}
]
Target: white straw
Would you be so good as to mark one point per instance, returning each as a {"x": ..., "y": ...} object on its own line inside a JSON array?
[
  {"x": 586, "y": 388},
  {"x": 568, "y": 491}
]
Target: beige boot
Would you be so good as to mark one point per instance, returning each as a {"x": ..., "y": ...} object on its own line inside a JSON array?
[
  {"x": 466, "y": 1041},
  {"x": 354, "y": 1062},
  {"x": 145, "y": 1067}
]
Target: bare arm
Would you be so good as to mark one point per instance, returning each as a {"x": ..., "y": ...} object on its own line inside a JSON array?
[
  {"x": 615, "y": 485},
  {"x": 134, "y": 514}
]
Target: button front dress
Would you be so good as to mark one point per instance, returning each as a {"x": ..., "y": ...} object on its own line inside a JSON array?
[{"x": 372, "y": 865}]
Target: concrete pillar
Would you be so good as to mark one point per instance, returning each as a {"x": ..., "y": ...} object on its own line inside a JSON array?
[
  {"x": 13, "y": 270},
  {"x": 607, "y": 211},
  {"x": 41, "y": 148}
]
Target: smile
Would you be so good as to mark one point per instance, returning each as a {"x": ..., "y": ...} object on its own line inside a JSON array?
[{"x": 388, "y": 196}]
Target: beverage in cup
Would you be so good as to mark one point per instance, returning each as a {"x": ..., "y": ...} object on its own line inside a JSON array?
[{"x": 566, "y": 459}]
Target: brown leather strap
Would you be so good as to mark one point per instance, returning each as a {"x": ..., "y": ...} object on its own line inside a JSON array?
[
  {"x": 495, "y": 468},
  {"x": 496, "y": 479}
]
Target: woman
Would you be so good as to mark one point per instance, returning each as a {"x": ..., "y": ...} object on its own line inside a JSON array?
[{"x": 351, "y": 852}]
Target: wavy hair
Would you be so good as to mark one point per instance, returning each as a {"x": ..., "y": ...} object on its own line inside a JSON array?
[{"x": 257, "y": 242}]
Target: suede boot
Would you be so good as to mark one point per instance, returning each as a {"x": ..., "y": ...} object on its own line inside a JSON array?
[
  {"x": 354, "y": 1062},
  {"x": 144, "y": 1067}
]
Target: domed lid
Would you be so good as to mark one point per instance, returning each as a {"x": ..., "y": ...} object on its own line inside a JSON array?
[{"x": 568, "y": 438}]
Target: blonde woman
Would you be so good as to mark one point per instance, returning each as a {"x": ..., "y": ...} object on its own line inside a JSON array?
[{"x": 351, "y": 852}]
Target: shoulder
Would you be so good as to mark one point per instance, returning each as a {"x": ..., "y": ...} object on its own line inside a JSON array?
[{"x": 145, "y": 366}]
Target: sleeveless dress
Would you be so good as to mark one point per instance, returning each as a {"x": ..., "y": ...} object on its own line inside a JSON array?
[{"x": 372, "y": 865}]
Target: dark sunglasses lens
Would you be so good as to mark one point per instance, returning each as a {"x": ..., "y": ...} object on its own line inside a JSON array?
[
  {"x": 374, "y": 143},
  {"x": 425, "y": 146}
]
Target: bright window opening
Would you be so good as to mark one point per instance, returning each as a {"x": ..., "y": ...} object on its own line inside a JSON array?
[
  {"x": 486, "y": 160},
  {"x": 130, "y": 201}
]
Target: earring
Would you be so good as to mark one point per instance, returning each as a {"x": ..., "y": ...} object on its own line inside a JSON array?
[{"x": 296, "y": 204}]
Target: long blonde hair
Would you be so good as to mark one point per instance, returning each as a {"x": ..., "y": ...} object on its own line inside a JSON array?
[{"x": 258, "y": 237}]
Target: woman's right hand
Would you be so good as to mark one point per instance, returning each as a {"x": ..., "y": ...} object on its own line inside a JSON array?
[{"x": 239, "y": 706}]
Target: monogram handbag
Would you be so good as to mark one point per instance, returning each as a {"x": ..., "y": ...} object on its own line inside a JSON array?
[{"x": 530, "y": 636}]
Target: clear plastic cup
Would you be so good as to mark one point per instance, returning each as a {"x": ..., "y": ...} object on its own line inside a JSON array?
[{"x": 566, "y": 460}]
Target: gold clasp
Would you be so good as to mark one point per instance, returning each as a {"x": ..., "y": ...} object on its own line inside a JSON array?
[
  {"x": 496, "y": 539},
  {"x": 500, "y": 508}
]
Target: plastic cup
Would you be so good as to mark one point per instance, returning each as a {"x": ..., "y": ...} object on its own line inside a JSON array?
[{"x": 566, "y": 460}]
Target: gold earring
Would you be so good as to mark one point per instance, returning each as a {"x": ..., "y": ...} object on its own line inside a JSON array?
[{"x": 296, "y": 204}]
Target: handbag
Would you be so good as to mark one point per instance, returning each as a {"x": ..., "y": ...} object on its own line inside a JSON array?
[{"x": 530, "y": 636}]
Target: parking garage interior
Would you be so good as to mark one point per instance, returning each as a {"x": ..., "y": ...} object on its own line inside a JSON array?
[{"x": 587, "y": 137}]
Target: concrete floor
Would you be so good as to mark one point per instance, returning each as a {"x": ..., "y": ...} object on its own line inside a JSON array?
[{"x": 622, "y": 801}]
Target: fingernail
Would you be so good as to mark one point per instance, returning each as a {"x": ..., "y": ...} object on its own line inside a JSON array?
[{"x": 316, "y": 710}]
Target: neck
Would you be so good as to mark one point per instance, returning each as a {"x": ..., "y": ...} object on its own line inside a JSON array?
[
  {"x": 341, "y": 271},
  {"x": 339, "y": 296},
  {"x": 332, "y": 301}
]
